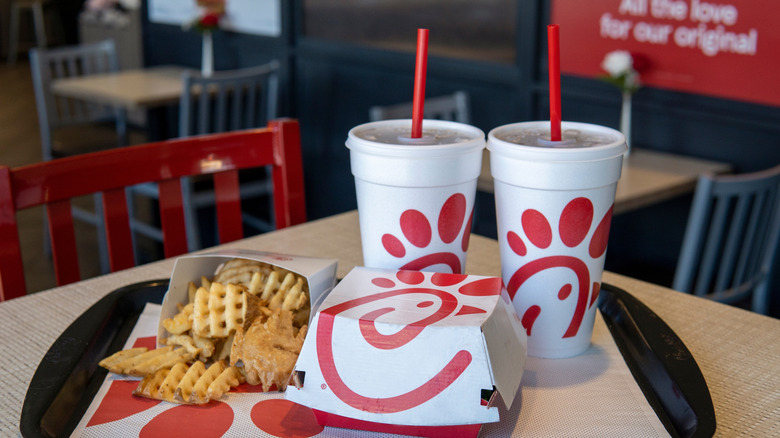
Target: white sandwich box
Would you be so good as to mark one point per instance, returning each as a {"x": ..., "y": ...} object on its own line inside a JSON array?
[
  {"x": 408, "y": 352},
  {"x": 320, "y": 274}
]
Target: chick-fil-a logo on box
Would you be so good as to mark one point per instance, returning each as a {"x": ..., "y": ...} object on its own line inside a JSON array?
[{"x": 389, "y": 318}]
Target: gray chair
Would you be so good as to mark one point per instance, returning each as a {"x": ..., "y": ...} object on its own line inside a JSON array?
[
  {"x": 57, "y": 114},
  {"x": 36, "y": 10},
  {"x": 453, "y": 107},
  {"x": 731, "y": 238},
  {"x": 225, "y": 101}
]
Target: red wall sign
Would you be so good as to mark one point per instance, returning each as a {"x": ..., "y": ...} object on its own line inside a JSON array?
[{"x": 723, "y": 48}]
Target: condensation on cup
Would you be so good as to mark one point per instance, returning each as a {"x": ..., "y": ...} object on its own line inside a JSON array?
[
  {"x": 554, "y": 204},
  {"x": 415, "y": 196}
]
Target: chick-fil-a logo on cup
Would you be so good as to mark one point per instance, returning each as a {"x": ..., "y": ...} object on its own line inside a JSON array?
[
  {"x": 420, "y": 290},
  {"x": 427, "y": 246},
  {"x": 553, "y": 258}
]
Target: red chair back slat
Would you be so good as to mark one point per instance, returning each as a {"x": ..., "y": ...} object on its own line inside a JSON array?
[
  {"x": 228, "y": 199},
  {"x": 54, "y": 183},
  {"x": 288, "y": 177},
  {"x": 172, "y": 217},
  {"x": 12, "y": 271},
  {"x": 119, "y": 237},
  {"x": 63, "y": 241}
]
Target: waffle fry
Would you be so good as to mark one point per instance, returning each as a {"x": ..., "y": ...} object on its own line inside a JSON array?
[
  {"x": 295, "y": 299},
  {"x": 163, "y": 360},
  {"x": 272, "y": 285},
  {"x": 171, "y": 382},
  {"x": 204, "y": 282},
  {"x": 185, "y": 341},
  {"x": 251, "y": 313},
  {"x": 124, "y": 361},
  {"x": 207, "y": 346},
  {"x": 191, "y": 289},
  {"x": 183, "y": 392},
  {"x": 181, "y": 322},
  {"x": 242, "y": 272},
  {"x": 149, "y": 386},
  {"x": 110, "y": 363},
  {"x": 290, "y": 294},
  {"x": 256, "y": 283},
  {"x": 219, "y": 311},
  {"x": 200, "y": 390},
  {"x": 147, "y": 362},
  {"x": 189, "y": 384},
  {"x": 229, "y": 378}
]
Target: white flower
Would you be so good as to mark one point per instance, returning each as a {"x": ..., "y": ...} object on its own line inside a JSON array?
[{"x": 618, "y": 62}]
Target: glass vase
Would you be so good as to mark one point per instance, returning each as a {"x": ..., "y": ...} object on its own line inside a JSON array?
[
  {"x": 207, "y": 56},
  {"x": 625, "y": 120}
]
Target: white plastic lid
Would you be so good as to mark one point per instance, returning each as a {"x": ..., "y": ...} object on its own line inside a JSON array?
[
  {"x": 452, "y": 155},
  {"x": 440, "y": 138},
  {"x": 613, "y": 143},
  {"x": 561, "y": 167}
]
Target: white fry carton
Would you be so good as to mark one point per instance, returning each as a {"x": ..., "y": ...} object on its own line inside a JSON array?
[
  {"x": 320, "y": 274},
  {"x": 390, "y": 349}
]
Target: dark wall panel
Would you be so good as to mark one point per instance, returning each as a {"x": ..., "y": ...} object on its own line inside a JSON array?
[
  {"x": 330, "y": 85},
  {"x": 337, "y": 88}
]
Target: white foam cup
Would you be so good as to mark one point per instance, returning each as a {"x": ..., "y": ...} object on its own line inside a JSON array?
[
  {"x": 553, "y": 209},
  {"x": 415, "y": 196}
]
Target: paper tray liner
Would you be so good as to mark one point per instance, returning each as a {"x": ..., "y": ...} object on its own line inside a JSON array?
[
  {"x": 66, "y": 360},
  {"x": 453, "y": 431}
]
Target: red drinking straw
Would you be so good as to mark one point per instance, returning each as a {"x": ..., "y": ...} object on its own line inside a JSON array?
[
  {"x": 419, "y": 82},
  {"x": 554, "y": 60}
]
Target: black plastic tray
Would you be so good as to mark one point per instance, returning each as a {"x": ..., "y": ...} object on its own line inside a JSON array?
[
  {"x": 660, "y": 363},
  {"x": 68, "y": 377}
]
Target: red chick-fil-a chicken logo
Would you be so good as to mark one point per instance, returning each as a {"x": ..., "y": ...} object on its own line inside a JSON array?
[
  {"x": 574, "y": 227},
  {"x": 412, "y": 284},
  {"x": 418, "y": 232}
]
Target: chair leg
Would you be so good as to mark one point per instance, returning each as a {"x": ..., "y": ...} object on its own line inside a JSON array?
[
  {"x": 100, "y": 226},
  {"x": 190, "y": 215},
  {"x": 46, "y": 238},
  {"x": 130, "y": 195},
  {"x": 40, "y": 25},
  {"x": 760, "y": 302},
  {"x": 13, "y": 40},
  {"x": 121, "y": 127}
]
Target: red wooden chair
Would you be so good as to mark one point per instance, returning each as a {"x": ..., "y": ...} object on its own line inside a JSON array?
[{"x": 54, "y": 183}]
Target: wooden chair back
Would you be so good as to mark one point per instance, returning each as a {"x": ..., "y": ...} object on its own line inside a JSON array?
[
  {"x": 731, "y": 238},
  {"x": 54, "y": 183}
]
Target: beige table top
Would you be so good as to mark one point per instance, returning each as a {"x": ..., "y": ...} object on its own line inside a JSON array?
[
  {"x": 737, "y": 351},
  {"x": 131, "y": 89},
  {"x": 648, "y": 177}
]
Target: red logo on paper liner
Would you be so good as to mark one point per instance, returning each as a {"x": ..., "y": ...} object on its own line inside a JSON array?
[
  {"x": 573, "y": 228},
  {"x": 118, "y": 403},
  {"x": 412, "y": 285},
  {"x": 149, "y": 342},
  {"x": 278, "y": 417},
  {"x": 299, "y": 421},
  {"x": 417, "y": 231},
  {"x": 210, "y": 420}
]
